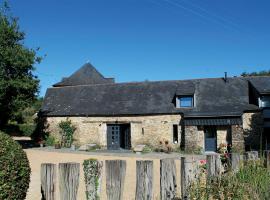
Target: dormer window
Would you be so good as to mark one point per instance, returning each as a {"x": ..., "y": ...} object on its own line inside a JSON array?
[
  {"x": 184, "y": 102},
  {"x": 264, "y": 101}
]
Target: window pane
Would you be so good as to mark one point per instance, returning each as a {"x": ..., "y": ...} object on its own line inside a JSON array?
[
  {"x": 265, "y": 101},
  {"x": 186, "y": 101}
]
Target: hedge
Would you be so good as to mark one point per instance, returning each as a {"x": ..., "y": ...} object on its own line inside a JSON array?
[{"x": 14, "y": 169}]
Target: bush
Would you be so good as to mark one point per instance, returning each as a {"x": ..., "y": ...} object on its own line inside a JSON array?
[
  {"x": 27, "y": 129},
  {"x": 67, "y": 131},
  {"x": 50, "y": 140},
  {"x": 250, "y": 182},
  {"x": 14, "y": 170}
]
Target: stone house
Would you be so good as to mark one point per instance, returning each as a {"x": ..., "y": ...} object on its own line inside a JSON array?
[{"x": 197, "y": 113}]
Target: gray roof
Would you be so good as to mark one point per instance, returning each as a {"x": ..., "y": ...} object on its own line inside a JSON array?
[
  {"x": 86, "y": 75},
  {"x": 260, "y": 83},
  {"x": 213, "y": 97}
]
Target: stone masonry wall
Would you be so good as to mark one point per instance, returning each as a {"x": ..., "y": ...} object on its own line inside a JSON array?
[
  {"x": 252, "y": 129},
  {"x": 194, "y": 137},
  {"x": 144, "y": 129}
]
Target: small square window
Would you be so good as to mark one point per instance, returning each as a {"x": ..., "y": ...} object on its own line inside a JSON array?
[{"x": 184, "y": 102}]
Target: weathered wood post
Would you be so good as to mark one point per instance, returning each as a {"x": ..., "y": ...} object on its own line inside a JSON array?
[
  {"x": 267, "y": 159},
  {"x": 167, "y": 179},
  {"x": 144, "y": 180},
  {"x": 69, "y": 174},
  {"x": 92, "y": 175},
  {"x": 213, "y": 165},
  {"x": 189, "y": 170},
  {"x": 115, "y": 177},
  {"x": 235, "y": 162},
  {"x": 251, "y": 157},
  {"x": 48, "y": 177}
]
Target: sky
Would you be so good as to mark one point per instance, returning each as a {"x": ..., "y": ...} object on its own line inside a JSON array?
[{"x": 138, "y": 40}]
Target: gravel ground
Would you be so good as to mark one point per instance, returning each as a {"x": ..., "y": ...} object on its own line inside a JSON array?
[{"x": 37, "y": 156}]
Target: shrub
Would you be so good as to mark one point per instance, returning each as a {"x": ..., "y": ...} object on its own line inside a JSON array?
[
  {"x": 50, "y": 140},
  {"x": 67, "y": 131},
  {"x": 147, "y": 149},
  {"x": 14, "y": 170},
  {"x": 27, "y": 129},
  {"x": 250, "y": 182}
]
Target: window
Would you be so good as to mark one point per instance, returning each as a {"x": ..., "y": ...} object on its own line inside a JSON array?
[
  {"x": 175, "y": 134},
  {"x": 264, "y": 102},
  {"x": 184, "y": 102}
]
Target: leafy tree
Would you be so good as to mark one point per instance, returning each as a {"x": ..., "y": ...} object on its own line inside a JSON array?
[
  {"x": 18, "y": 86},
  {"x": 260, "y": 73}
]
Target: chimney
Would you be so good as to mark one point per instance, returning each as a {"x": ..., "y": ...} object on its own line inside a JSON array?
[{"x": 225, "y": 77}]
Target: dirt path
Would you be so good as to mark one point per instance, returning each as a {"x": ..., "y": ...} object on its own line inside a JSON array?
[{"x": 36, "y": 157}]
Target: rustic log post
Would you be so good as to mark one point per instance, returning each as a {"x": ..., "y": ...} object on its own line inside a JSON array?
[
  {"x": 267, "y": 159},
  {"x": 47, "y": 177},
  {"x": 167, "y": 179},
  {"x": 213, "y": 165},
  {"x": 235, "y": 162},
  {"x": 144, "y": 180},
  {"x": 188, "y": 174},
  {"x": 92, "y": 175},
  {"x": 69, "y": 180},
  {"x": 251, "y": 157},
  {"x": 115, "y": 177}
]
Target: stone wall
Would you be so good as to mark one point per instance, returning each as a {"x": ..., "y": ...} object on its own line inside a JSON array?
[
  {"x": 252, "y": 129},
  {"x": 238, "y": 143},
  {"x": 194, "y": 137},
  {"x": 144, "y": 129}
]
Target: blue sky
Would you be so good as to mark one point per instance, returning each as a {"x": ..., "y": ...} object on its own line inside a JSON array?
[{"x": 137, "y": 40}]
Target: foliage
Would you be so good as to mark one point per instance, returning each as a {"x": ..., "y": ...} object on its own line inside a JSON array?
[
  {"x": 92, "y": 173},
  {"x": 94, "y": 147},
  {"x": 67, "y": 131},
  {"x": 194, "y": 150},
  {"x": 25, "y": 121},
  {"x": 50, "y": 140},
  {"x": 147, "y": 149},
  {"x": 18, "y": 85},
  {"x": 260, "y": 73},
  {"x": 14, "y": 169},
  {"x": 252, "y": 182}
]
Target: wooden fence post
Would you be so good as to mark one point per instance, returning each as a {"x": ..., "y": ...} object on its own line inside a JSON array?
[
  {"x": 189, "y": 170},
  {"x": 69, "y": 174},
  {"x": 115, "y": 177},
  {"x": 267, "y": 159},
  {"x": 144, "y": 180},
  {"x": 167, "y": 179},
  {"x": 213, "y": 165},
  {"x": 47, "y": 177},
  {"x": 92, "y": 175},
  {"x": 235, "y": 162},
  {"x": 251, "y": 157}
]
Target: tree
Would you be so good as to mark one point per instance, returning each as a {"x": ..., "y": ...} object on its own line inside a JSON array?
[
  {"x": 18, "y": 86},
  {"x": 260, "y": 73}
]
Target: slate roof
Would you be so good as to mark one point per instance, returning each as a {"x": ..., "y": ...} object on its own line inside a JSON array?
[
  {"x": 86, "y": 75},
  {"x": 213, "y": 97},
  {"x": 261, "y": 83}
]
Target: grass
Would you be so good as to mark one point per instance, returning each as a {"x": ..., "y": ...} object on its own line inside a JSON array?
[{"x": 251, "y": 182}]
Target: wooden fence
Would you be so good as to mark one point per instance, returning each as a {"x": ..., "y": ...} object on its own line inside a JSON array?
[{"x": 115, "y": 171}]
